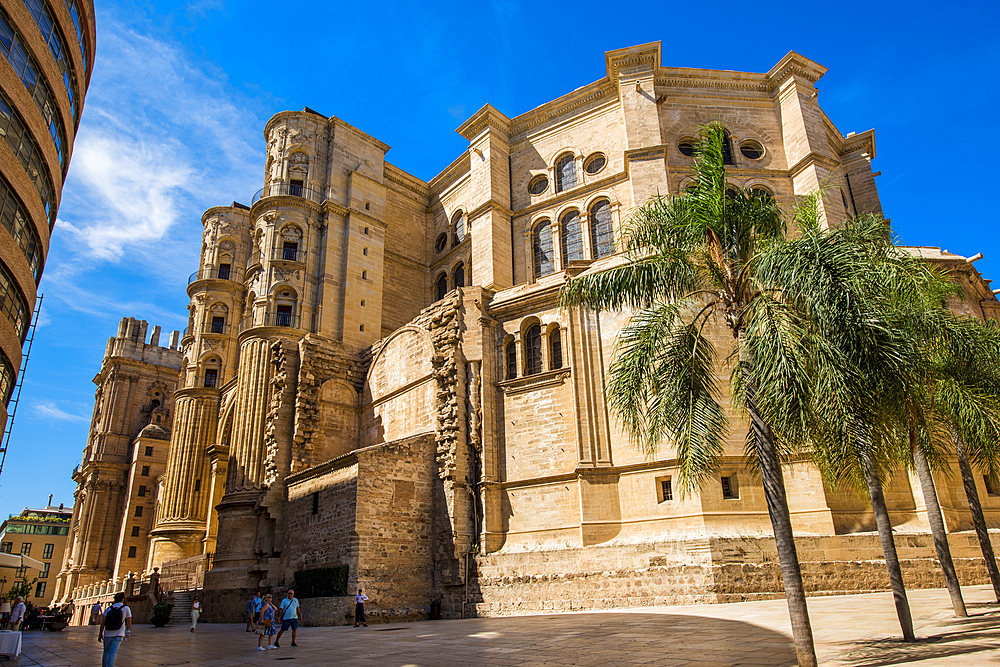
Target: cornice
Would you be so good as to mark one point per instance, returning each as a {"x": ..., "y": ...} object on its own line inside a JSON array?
[
  {"x": 795, "y": 64},
  {"x": 860, "y": 142},
  {"x": 458, "y": 168},
  {"x": 490, "y": 205},
  {"x": 591, "y": 95},
  {"x": 394, "y": 174},
  {"x": 487, "y": 117},
  {"x": 643, "y": 57},
  {"x": 536, "y": 381},
  {"x": 283, "y": 200}
]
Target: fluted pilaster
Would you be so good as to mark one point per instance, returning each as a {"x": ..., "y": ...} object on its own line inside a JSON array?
[{"x": 246, "y": 469}]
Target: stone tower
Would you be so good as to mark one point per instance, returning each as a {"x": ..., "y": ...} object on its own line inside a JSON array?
[
  {"x": 125, "y": 452},
  {"x": 196, "y": 469}
]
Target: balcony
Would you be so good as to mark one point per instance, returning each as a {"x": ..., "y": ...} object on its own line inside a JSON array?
[
  {"x": 288, "y": 256},
  {"x": 288, "y": 190},
  {"x": 216, "y": 273},
  {"x": 270, "y": 320}
]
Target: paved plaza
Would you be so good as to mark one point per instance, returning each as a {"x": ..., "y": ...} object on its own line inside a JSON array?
[{"x": 856, "y": 630}]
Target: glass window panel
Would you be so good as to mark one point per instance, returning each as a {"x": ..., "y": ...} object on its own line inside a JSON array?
[
  {"x": 601, "y": 233},
  {"x": 542, "y": 244},
  {"x": 566, "y": 173},
  {"x": 533, "y": 350},
  {"x": 571, "y": 232}
]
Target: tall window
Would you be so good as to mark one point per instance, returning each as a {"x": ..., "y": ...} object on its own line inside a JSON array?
[
  {"x": 224, "y": 271},
  {"x": 555, "y": 349},
  {"x": 602, "y": 237},
  {"x": 138, "y": 510},
  {"x": 6, "y": 547},
  {"x": 145, "y": 471},
  {"x": 727, "y": 149},
  {"x": 20, "y": 572},
  {"x": 131, "y": 552},
  {"x": 211, "y": 378},
  {"x": 142, "y": 491},
  {"x": 283, "y": 316},
  {"x": 533, "y": 350},
  {"x": 460, "y": 275},
  {"x": 459, "y": 224},
  {"x": 40, "y": 589},
  {"x": 571, "y": 232},
  {"x": 289, "y": 251},
  {"x": 441, "y": 287},
  {"x": 47, "y": 551},
  {"x": 44, "y": 574},
  {"x": 510, "y": 357},
  {"x": 135, "y": 531},
  {"x": 26, "y": 549},
  {"x": 218, "y": 325},
  {"x": 565, "y": 173},
  {"x": 295, "y": 188},
  {"x": 542, "y": 245}
]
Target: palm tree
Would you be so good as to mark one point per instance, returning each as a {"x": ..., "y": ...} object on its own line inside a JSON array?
[{"x": 721, "y": 255}]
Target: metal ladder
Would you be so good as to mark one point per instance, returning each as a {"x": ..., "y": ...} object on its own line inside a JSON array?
[{"x": 20, "y": 382}]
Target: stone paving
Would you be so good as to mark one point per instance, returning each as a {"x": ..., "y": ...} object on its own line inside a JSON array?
[{"x": 855, "y": 630}]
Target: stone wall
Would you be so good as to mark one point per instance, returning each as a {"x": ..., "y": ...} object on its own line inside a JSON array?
[{"x": 707, "y": 570}]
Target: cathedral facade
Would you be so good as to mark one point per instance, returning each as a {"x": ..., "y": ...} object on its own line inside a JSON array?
[{"x": 376, "y": 373}]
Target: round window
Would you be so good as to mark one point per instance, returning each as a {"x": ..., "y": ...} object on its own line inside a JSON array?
[
  {"x": 595, "y": 163},
  {"x": 752, "y": 150},
  {"x": 441, "y": 243},
  {"x": 686, "y": 146},
  {"x": 538, "y": 184}
]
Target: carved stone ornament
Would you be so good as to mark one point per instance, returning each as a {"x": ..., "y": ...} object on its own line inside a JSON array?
[
  {"x": 227, "y": 245},
  {"x": 299, "y": 158}
]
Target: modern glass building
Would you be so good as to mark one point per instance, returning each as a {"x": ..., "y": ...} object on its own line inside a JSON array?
[{"x": 48, "y": 54}]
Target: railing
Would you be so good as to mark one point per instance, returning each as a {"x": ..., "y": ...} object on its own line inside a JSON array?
[
  {"x": 270, "y": 320},
  {"x": 288, "y": 255},
  {"x": 288, "y": 190},
  {"x": 214, "y": 328},
  {"x": 186, "y": 573},
  {"x": 216, "y": 273}
]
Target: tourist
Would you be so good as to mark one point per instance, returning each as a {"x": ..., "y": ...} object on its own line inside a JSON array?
[
  {"x": 116, "y": 626},
  {"x": 17, "y": 613},
  {"x": 95, "y": 613},
  {"x": 359, "y": 609},
  {"x": 291, "y": 614},
  {"x": 267, "y": 625},
  {"x": 253, "y": 609},
  {"x": 195, "y": 613}
]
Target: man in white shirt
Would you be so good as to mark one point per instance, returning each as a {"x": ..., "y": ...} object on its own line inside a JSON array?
[
  {"x": 17, "y": 613},
  {"x": 116, "y": 626},
  {"x": 359, "y": 609}
]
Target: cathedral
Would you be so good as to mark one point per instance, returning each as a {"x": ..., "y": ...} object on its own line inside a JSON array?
[{"x": 376, "y": 376}]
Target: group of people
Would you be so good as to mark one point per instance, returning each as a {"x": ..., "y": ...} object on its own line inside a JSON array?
[{"x": 263, "y": 617}]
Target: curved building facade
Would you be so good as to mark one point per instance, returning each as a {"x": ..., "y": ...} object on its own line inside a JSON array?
[{"x": 48, "y": 56}]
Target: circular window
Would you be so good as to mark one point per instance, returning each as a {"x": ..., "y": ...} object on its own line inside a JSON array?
[
  {"x": 441, "y": 243},
  {"x": 752, "y": 150},
  {"x": 686, "y": 146},
  {"x": 595, "y": 163},
  {"x": 538, "y": 184},
  {"x": 285, "y": 294}
]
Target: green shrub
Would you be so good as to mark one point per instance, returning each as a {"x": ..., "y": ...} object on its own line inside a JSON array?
[
  {"x": 322, "y": 582},
  {"x": 162, "y": 610}
]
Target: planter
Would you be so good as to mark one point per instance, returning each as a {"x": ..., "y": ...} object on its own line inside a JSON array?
[
  {"x": 56, "y": 626},
  {"x": 159, "y": 622}
]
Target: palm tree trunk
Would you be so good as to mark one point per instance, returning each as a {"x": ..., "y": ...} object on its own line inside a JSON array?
[
  {"x": 978, "y": 520},
  {"x": 888, "y": 545},
  {"x": 777, "y": 508},
  {"x": 938, "y": 532}
]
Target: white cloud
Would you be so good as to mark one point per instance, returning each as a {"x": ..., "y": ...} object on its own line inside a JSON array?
[{"x": 49, "y": 410}]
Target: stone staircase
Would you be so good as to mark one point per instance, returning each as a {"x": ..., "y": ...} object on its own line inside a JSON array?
[{"x": 181, "y": 614}]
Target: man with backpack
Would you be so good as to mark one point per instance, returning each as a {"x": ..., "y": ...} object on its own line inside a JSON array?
[{"x": 116, "y": 626}]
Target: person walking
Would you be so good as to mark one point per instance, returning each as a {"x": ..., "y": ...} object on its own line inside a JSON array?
[
  {"x": 291, "y": 614},
  {"x": 17, "y": 613},
  {"x": 253, "y": 609},
  {"x": 267, "y": 625},
  {"x": 95, "y": 613},
  {"x": 359, "y": 609},
  {"x": 116, "y": 626},
  {"x": 195, "y": 613}
]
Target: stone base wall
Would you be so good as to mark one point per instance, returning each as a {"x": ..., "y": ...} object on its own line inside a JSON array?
[{"x": 709, "y": 570}]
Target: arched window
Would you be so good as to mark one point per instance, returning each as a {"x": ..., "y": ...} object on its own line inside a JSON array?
[
  {"x": 565, "y": 173},
  {"x": 533, "y": 350},
  {"x": 555, "y": 349},
  {"x": 571, "y": 233},
  {"x": 458, "y": 222},
  {"x": 727, "y": 149},
  {"x": 542, "y": 246},
  {"x": 602, "y": 236},
  {"x": 441, "y": 287},
  {"x": 155, "y": 404},
  {"x": 510, "y": 360},
  {"x": 460, "y": 275}
]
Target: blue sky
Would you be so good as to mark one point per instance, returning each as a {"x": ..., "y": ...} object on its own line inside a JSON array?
[{"x": 181, "y": 91}]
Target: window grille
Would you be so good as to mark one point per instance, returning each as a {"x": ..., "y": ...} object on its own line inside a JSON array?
[
  {"x": 459, "y": 223},
  {"x": 571, "y": 233},
  {"x": 566, "y": 173},
  {"x": 533, "y": 350},
  {"x": 542, "y": 245},
  {"x": 602, "y": 238},
  {"x": 555, "y": 350},
  {"x": 729, "y": 488},
  {"x": 511, "y": 358},
  {"x": 666, "y": 490}
]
